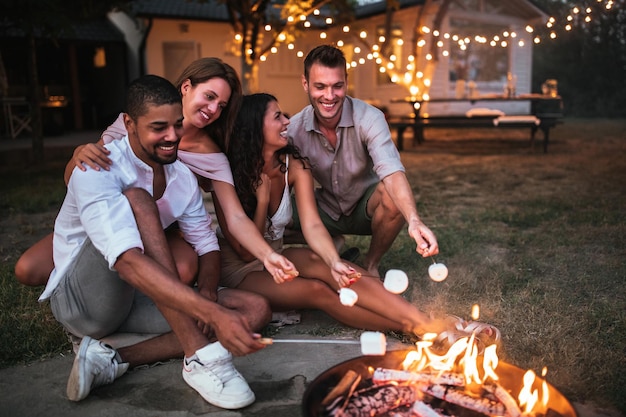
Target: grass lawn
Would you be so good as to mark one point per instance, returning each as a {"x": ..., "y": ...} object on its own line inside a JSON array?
[{"x": 537, "y": 240}]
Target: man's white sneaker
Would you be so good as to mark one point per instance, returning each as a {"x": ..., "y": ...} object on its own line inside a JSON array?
[
  {"x": 211, "y": 372},
  {"x": 95, "y": 364}
]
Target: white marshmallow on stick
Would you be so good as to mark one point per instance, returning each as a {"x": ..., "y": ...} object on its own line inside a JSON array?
[
  {"x": 437, "y": 272},
  {"x": 348, "y": 297},
  {"x": 372, "y": 343},
  {"x": 396, "y": 281}
]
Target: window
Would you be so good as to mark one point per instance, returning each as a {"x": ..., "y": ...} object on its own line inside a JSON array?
[
  {"x": 176, "y": 57},
  {"x": 476, "y": 61}
]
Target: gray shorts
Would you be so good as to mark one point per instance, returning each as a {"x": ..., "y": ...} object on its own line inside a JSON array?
[
  {"x": 92, "y": 300},
  {"x": 357, "y": 223}
]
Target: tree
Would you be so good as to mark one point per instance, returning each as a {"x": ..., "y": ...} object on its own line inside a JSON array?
[
  {"x": 46, "y": 20},
  {"x": 264, "y": 24},
  {"x": 588, "y": 58},
  {"x": 418, "y": 79}
]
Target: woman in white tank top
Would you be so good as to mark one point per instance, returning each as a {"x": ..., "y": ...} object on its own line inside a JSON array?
[{"x": 265, "y": 168}]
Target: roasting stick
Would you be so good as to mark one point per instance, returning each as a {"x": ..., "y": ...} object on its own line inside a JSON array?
[
  {"x": 270, "y": 341},
  {"x": 372, "y": 343}
]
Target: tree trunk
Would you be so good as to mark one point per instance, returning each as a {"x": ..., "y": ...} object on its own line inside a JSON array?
[
  {"x": 35, "y": 108},
  {"x": 249, "y": 76},
  {"x": 4, "y": 82}
]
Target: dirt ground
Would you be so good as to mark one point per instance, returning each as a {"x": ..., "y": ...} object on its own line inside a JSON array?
[{"x": 456, "y": 169}]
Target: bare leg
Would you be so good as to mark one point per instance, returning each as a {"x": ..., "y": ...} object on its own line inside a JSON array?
[
  {"x": 185, "y": 327},
  {"x": 315, "y": 288},
  {"x": 33, "y": 268},
  {"x": 160, "y": 348},
  {"x": 373, "y": 296},
  {"x": 185, "y": 257},
  {"x": 167, "y": 346},
  {"x": 35, "y": 265},
  {"x": 156, "y": 247},
  {"x": 313, "y": 294},
  {"x": 255, "y": 309},
  {"x": 387, "y": 221}
]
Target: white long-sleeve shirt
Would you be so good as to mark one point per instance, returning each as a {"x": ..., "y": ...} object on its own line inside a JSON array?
[{"x": 95, "y": 208}]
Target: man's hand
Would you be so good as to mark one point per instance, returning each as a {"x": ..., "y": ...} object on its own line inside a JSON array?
[
  {"x": 424, "y": 238},
  {"x": 279, "y": 267},
  {"x": 234, "y": 334}
]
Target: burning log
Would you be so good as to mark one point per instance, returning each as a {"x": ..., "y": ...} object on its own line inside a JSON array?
[
  {"x": 512, "y": 409},
  {"x": 421, "y": 409},
  {"x": 481, "y": 405},
  {"x": 373, "y": 401},
  {"x": 345, "y": 387},
  {"x": 385, "y": 375}
]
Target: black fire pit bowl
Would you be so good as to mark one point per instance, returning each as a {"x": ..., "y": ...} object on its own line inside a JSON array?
[{"x": 511, "y": 377}]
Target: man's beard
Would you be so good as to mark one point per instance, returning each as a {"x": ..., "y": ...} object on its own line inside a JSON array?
[{"x": 163, "y": 161}]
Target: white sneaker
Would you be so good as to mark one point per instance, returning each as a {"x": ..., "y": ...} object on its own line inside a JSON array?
[
  {"x": 211, "y": 372},
  {"x": 95, "y": 364}
]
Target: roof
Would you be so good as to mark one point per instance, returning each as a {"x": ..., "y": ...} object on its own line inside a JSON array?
[
  {"x": 367, "y": 8},
  {"x": 181, "y": 9},
  {"x": 213, "y": 10},
  {"x": 100, "y": 30}
]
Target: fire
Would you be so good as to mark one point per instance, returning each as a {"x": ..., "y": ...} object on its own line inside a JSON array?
[{"x": 463, "y": 357}]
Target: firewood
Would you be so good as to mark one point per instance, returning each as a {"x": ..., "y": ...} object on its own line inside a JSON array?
[
  {"x": 481, "y": 405},
  {"x": 421, "y": 409},
  {"x": 512, "y": 409},
  {"x": 373, "y": 401},
  {"x": 347, "y": 383},
  {"x": 385, "y": 375}
]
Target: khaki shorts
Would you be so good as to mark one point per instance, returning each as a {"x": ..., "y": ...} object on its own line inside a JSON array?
[
  {"x": 92, "y": 300},
  {"x": 357, "y": 223},
  {"x": 234, "y": 269}
]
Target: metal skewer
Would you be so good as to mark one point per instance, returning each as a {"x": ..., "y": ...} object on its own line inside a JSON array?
[
  {"x": 270, "y": 341},
  {"x": 372, "y": 343}
]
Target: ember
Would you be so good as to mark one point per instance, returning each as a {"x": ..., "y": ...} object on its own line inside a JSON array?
[{"x": 423, "y": 383}]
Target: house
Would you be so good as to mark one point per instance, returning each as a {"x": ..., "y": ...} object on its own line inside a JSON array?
[
  {"x": 82, "y": 77},
  {"x": 166, "y": 35},
  {"x": 163, "y": 36}
]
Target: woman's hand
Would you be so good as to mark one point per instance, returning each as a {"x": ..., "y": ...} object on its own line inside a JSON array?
[
  {"x": 280, "y": 268},
  {"x": 93, "y": 155},
  {"x": 345, "y": 275}
]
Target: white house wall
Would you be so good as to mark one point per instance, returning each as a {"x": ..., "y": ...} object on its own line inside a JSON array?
[{"x": 281, "y": 73}]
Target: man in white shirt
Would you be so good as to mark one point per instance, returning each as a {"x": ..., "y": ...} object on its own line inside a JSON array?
[{"x": 114, "y": 271}]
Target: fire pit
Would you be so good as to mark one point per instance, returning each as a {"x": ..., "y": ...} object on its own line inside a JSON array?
[{"x": 510, "y": 377}]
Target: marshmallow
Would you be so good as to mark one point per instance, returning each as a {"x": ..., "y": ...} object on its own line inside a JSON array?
[
  {"x": 396, "y": 281},
  {"x": 348, "y": 297},
  {"x": 373, "y": 343},
  {"x": 437, "y": 272}
]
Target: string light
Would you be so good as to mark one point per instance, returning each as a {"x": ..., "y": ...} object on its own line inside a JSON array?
[{"x": 576, "y": 15}]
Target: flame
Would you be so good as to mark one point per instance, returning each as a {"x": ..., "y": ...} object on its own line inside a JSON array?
[
  {"x": 463, "y": 356},
  {"x": 490, "y": 363},
  {"x": 545, "y": 393},
  {"x": 527, "y": 396},
  {"x": 475, "y": 312}
]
